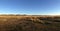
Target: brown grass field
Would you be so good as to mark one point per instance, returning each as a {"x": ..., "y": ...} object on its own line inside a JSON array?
[{"x": 29, "y": 23}]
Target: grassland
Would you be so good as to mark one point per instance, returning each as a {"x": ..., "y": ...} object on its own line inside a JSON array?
[{"x": 29, "y": 23}]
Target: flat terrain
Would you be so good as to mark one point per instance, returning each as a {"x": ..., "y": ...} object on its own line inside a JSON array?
[{"x": 29, "y": 23}]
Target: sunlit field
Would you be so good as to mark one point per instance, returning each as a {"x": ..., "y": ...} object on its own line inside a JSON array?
[{"x": 29, "y": 23}]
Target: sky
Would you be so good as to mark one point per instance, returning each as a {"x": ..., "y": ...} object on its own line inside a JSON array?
[{"x": 33, "y": 7}]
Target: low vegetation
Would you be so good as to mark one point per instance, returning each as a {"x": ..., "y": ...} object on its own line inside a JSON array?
[{"x": 29, "y": 23}]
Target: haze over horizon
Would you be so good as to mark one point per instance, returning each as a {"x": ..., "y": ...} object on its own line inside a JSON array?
[{"x": 33, "y": 7}]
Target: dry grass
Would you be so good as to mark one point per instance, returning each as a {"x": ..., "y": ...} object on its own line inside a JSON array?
[{"x": 29, "y": 23}]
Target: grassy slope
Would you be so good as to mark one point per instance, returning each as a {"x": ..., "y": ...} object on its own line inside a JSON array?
[{"x": 29, "y": 23}]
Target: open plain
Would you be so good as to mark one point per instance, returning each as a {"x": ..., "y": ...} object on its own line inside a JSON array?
[{"x": 29, "y": 23}]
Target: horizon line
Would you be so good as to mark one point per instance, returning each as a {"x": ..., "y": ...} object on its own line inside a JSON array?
[{"x": 34, "y": 14}]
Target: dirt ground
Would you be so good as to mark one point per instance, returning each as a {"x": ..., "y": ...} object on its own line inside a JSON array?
[{"x": 29, "y": 23}]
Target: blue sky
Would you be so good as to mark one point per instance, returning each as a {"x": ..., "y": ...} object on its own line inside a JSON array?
[{"x": 37, "y": 7}]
